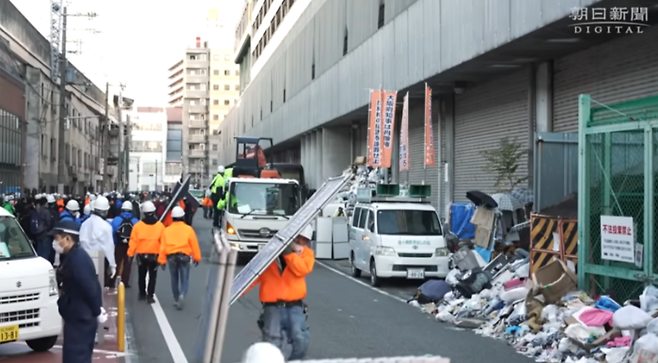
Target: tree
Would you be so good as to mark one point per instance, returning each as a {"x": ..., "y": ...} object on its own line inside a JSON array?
[{"x": 504, "y": 163}]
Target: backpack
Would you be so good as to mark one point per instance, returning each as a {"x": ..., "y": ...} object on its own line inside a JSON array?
[
  {"x": 37, "y": 223},
  {"x": 124, "y": 230}
]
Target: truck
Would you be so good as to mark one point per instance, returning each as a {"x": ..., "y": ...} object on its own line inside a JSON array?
[
  {"x": 259, "y": 202},
  {"x": 28, "y": 290}
]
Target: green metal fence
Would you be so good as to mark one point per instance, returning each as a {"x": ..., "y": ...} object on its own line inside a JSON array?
[{"x": 616, "y": 183}]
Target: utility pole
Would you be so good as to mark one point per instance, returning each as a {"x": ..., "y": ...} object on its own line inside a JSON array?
[
  {"x": 61, "y": 170},
  {"x": 104, "y": 135}
]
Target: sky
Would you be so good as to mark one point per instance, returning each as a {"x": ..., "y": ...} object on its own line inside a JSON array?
[{"x": 133, "y": 42}]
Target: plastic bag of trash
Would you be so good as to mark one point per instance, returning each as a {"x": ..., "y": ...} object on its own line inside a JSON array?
[
  {"x": 550, "y": 313},
  {"x": 648, "y": 342},
  {"x": 451, "y": 277},
  {"x": 652, "y": 327},
  {"x": 445, "y": 317},
  {"x": 649, "y": 299},
  {"x": 630, "y": 318}
]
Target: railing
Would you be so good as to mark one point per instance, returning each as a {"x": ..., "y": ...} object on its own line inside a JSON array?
[
  {"x": 198, "y": 124},
  {"x": 198, "y": 138},
  {"x": 197, "y": 154}
]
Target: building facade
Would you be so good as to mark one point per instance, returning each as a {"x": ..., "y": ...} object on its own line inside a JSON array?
[
  {"x": 224, "y": 94},
  {"x": 174, "y": 147},
  {"x": 41, "y": 160},
  {"x": 148, "y": 149},
  {"x": 496, "y": 73}
]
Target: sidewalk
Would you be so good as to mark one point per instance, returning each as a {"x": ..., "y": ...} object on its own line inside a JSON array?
[{"x": 104, "y": 353}]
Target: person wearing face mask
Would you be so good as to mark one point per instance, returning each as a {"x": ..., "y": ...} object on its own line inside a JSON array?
[
  {"x": 145, "y": 243},
  {"x": 282, "y": 290},
  {"x": 96, "y": 235},
  {"x": 80, "y": 300}
]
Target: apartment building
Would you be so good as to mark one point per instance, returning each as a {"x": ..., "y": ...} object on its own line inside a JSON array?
[
  {"x": 173, "y": 147},
  {"x": 224, "y": 94},
  {"x": 147, "y": 149}
]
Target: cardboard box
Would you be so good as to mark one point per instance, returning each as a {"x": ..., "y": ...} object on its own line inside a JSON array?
[
  {"x": 482, "y": 236},
  {"x": 483, "y": 217},
  {"x": 554, "y": 280}
]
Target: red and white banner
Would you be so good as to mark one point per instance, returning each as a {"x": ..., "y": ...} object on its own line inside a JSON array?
[
  {"x": 389, "y": 99},
  {"x": 375, "y": 130},
  {"x": 429, "y": 133},
  {"x": 404, "y": 135}
]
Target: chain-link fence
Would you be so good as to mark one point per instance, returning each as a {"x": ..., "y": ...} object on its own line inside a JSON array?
[{"x": 616, "y": 185}]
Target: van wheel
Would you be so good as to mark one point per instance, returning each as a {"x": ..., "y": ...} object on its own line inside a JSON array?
[
  {"x": 42, "y": 344},
  {"x": 375, "y": 281},
  {"x": 355, "y": 272}
]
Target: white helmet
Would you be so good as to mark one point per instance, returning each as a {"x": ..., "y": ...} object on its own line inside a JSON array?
[
  {"x": 87, "y": 209},
  {"x": 101, "y": 204},
  {"x": 263, "y": 353},
  {"x": 72, "y": 205},
  {"x": 38, "y": 196},
  {"x": 127, "y": 206},
  {"x": 177, "y": 212},
  {"x": 307, "y": 232},
  {"x": 92, "y": 197},
  {"x": 50, "y": 198},
  {"x": 220, "y": 169},
  {"x": 148, "y": 207}
]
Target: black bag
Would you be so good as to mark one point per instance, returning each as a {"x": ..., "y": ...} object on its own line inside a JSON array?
[{"x": 124, "y": 230}]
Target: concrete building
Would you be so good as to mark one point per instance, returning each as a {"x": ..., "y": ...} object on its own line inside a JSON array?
[
  {"x": 504, "y": 71},
  {"x": 173, "y": 147},
  {"x": 29, "y": 102},
  {"x": 224, "y": 94},
  {"x": 147, "y": 148}
]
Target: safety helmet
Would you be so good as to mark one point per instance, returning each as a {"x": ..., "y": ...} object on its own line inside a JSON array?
[
  {"x": 38, "y": 196},
  {"x": 72, "y": 205},
  {"x": 86, "y": 209},
  {"x": 148, "y": 207},
  {"x": 92, "y": 197},
  {"x": 307, "y": 232},
  {"x": 50, "y": 198},
  {"x": 177, "y": 212},
  {"x": 127, "y": 206},
  {"x": 220, "y": 169},
  {"x": 263, "y": 352},
  {"x": 101, "y": 204}
]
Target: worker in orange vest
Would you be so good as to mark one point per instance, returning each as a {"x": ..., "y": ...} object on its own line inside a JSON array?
[
  {"x": 207, "y": 207},
  {"x": 168, "y": 219},
  {"x": 282, "y": 290},
  {"x": 179, "y": 248},
  {"x": 145, "y": 243}
]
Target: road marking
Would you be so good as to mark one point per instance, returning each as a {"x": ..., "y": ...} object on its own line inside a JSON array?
[
  {"x": 168, "y": 333},
  {"x": 360, "y": 282},
  {"x": 101, "y": 351}
]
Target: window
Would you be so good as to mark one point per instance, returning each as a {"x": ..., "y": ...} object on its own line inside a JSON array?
[
  {"x": 203, "y": 86},
  {"x": 355, "y": 217},
  {"x": 227, "y": 87},
  {"x": 382, "y": 12},
  {"x": 227, "y": 57},
  {"x": 202, "y": 57},
  {"x": 215, "y": 72},
  {"x": 408, "y": 222},
  {"x": 215, "y": 147},
  {"x": 192, "y": 102},
  {"x": 214, "y": 162},
  {"x": 362, "y": 218},
  {"x": 215, "y": 102},
  {"x": 192, "y": 117},
  {"x": 237, "y": 87},
  {"x": 371, "y": 222},
  {"x": 227, "y": 72},
  {"x": 227, "y": 102},
  {"x": 215, "y": 117},
  {"x": 237, "y": 73},
  {"x": 265, "y": 199},
  {"x": 215, "y": 57},
  {"x": 192, "y": 87},
  {"x": 215, "y": 87},
  {"x": 192, "y": 72},
  {"x": 13, "y": 238},
  {"x": 192, "y": 57},
  {"x": 345, "y": 42}
]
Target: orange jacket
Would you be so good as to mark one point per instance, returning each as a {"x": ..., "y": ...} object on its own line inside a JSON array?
[
  {"x": 60, "y": 203},
  {"x": 87, "y": 201},
  {"x": 207, "y": 202},
  {"x": 145, "y": 239},
  {"x": 179, "y": 238},
  {"x": 167, "y": 219},
  {"x": 289, "y": 286}
]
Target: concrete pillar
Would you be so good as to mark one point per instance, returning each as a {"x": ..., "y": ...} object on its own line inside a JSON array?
[
  {"x": 33, "y": 116},
  {"x": 543, "y": 105},
  {"x": 336, "y": 155},
  {"x": 449, "y": 165},
  {"x": 313, "y": 152},
  {"x": 319, "y": 180}
]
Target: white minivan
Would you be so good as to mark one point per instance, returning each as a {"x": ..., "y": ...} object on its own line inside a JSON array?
[
  {"x": 28, "y": 290},
  {"x": 397, "y": 238}
]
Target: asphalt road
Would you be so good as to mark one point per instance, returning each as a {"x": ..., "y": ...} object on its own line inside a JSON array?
[{"x": 347, "y": 319}]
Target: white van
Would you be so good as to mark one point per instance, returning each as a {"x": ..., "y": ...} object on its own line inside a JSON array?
[
  {"x": 397, "y": 237},
  {"x": 28, "y": 290}
]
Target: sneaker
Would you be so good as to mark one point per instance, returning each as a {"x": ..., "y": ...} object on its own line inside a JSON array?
[
  {"x": 142, "y": 297},
  {"x": 180, "y": 302},
  {"x": 150, "y": 300}
]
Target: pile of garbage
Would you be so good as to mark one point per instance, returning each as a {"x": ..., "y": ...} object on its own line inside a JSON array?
[{"x": 543, "y": 315}]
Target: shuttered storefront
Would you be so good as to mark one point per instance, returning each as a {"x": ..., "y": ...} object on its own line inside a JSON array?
[
  {"x": 442, "y": 156},
  {"x": 617, "y": 71},
  {"x": 417, "y": 148},
  {"x": 484, "y": 115}
]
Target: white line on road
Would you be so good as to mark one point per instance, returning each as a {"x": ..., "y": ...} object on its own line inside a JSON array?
[
  {"x": 175, "y": 350},
  {"x": 360, "y": 282}
]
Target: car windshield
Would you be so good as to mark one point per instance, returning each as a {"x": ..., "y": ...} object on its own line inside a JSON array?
[
  {"x": 197, "y": 193},
  {"x": 13, "y": 242},
  {"x": 264, "y": 198},
  {"x": 408, "y": 222}
]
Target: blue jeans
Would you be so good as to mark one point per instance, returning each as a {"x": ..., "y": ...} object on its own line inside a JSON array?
[
  {"x": 180, "y": 278},
  {"x": 289, "y": 320}
]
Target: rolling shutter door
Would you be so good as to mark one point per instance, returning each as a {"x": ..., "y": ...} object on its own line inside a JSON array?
[
  {"x": 620, "y": 70},
  {"x": 417, "y": 148},
  {"x": 440, "y": 160},
  {"x": 484, "y": 115}
]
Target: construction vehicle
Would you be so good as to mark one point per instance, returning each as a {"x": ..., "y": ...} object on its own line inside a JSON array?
[{"x": 259, "y": 202}]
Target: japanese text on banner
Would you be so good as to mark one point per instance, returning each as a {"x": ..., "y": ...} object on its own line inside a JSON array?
[
  {"x": 429, "y": 133},
  {"x": 389, "y": 100},
  {"x": 404, "y": 135},
  {"x": 617, "y": 239},
  {"x": 375, "y": 130}
]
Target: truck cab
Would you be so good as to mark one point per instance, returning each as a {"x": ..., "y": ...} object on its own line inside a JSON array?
[
  {"x": 28, "y": 290},
  {"x": 258, "y": 201}
]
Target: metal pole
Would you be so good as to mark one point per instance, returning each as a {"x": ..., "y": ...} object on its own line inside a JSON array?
[
  {"x": 104, "y": 136},
  {"x": 122, "y": 139},
  {"x": 62, "y": 107},
  {"x": 156, "y": 175}
]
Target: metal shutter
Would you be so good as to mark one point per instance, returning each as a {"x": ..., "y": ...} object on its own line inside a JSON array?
[
  {"x": 616, "y": 71},
  {"x": 484, "y": 115},
  {"x": 417, "y": 148},
  {"x": 442, "y": 156}
]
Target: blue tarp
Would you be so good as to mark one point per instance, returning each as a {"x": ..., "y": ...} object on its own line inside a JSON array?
[{"x": 460, "y": 220}]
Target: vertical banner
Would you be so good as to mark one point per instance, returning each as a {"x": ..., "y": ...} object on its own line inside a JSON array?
[
  {"x": 389, "y": 98},
  {"x": 429, "y": 133},
  {"x": 375, "y": 130},
  {"x": 404, "y": 135}
]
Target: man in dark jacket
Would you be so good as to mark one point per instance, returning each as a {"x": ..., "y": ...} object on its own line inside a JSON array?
[
  {"x": 81, "y": 300},
  {"x": 42, "y": 241}
]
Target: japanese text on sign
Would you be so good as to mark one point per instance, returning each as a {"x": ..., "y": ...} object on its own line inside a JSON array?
[
  {"x": 614, "y": 20},
  {"x": 404, "y": 135},
  {"x": 388, "y": 121},
  {"x": 377, "y": 141},
  {"x": 617, "y": 239}
]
